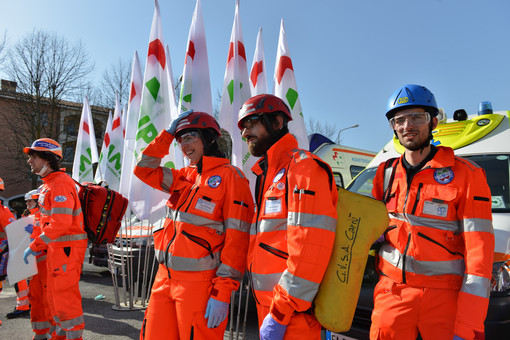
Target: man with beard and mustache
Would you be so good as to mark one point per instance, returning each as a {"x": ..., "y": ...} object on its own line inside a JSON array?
[
  {"x": 435, "y": 258},
  {"x": 293, "y": 230}
]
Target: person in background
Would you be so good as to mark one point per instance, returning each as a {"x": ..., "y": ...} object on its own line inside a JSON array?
[
  {"x": 435, "y": 261},
  {"x": 202, "y": 247},
  {"x": 62, "y": 235},
  {"x": 293, "y": 232}
]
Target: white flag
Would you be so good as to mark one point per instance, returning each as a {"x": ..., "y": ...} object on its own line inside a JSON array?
[
  {"x": 196, "y": 84},
  {"x": 85, "y": 154},
  {"x": 145, "y": 201},
  {"x": 258, "y": 77},
  {"x": 101, "y": 166},
  {"x": 285, "y": 87},
  {"x": 131, "y": 119}
]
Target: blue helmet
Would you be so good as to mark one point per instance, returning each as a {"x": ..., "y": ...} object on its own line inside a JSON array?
[{"x": 410, "y": 96}]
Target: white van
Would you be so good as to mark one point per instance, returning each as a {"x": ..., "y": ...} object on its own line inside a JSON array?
[
  {"x": 484, "y": 139},
  {"x": 346, "y": 162}
]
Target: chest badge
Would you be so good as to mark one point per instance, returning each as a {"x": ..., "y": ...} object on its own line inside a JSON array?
[
  {"x": 443, "y": 176},
  {"x": 279, "y": 175},
  {"x": 214, "y": 181}
]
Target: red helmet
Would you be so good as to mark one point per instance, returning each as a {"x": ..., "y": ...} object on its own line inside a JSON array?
[
  {"x": 2, "y": 186},
  {"x": 45, "y": 145},
  {"x": 263, "y": 103},
  {"x": 198, "y": 120}
]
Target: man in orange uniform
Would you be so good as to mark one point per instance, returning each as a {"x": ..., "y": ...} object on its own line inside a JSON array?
[
  {"x": 22, "y": 304},
  {"x": 202, "y": 247},
  {"x": 436, "y": 257},
  {"x": 62, "y": 235},
  {"x": 293, "y": 231},
  {"x": 40, "y": 314}
]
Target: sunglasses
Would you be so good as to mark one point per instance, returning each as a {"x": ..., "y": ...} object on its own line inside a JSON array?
[{"x": 249, "y": 122}]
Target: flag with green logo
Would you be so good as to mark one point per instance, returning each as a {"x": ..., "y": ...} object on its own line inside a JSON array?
[
  {"x": 285, "y": 87},
  {"x": 85, "y": 154}
]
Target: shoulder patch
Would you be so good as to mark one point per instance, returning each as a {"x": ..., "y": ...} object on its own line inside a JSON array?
[{"x": 60, "y": 198}]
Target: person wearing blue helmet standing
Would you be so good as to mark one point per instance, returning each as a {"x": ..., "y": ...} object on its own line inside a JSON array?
[{"x": 435, "y": 259}]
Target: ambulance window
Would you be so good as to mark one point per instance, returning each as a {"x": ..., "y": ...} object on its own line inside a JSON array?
[
  {"x": 355, "y": 170},
  {"x": 497, "y": 169},
  {"x": 364, "y": 182},
  {"x": 338, "y": 179}
]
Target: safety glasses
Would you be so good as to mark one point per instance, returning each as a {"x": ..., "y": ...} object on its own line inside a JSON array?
[
  {"x": 413, "y": 118},
  {"x": 188, "y": 138},
  {"x": 250, "y": 122}
]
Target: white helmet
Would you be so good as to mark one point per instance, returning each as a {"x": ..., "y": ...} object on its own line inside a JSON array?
[{"x": 32, "y": 195}]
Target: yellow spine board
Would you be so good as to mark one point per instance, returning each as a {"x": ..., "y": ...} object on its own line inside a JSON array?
[{"x": 361, "y": 220}]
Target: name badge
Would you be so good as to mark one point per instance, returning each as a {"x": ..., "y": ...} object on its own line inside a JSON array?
[
  {"x": 435, "y": 209},
  {"x": 273, "y": 206},
  {"x": 205, "y": 206}
]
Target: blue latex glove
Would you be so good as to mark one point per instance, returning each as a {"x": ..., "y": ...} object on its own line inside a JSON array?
[
  {"x": 173, "y": 125},
  {"x": 272, "y": 329},
  {"x": 27, "y": 253},
  {"x": 29, "y": 228},
  {"x": 3, "y": 245},
  {"x": 215, "y": 312},
  {"x": 455, "y": 337},
  {"x": 3, "y": 264}
]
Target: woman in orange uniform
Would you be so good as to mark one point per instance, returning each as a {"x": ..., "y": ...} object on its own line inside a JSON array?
[{"x": 202, "y": 247}]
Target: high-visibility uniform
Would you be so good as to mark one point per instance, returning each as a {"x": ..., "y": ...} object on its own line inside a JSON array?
[
  {"x": 65, "y": 240},
  {"x": 202, "y": 246},
  {"x": 292, "y": 235},
  {"x": 40, "y": 314},
  {"x": 440, "y": 237}
]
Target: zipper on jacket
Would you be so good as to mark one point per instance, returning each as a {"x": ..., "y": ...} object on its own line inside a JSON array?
[
  {"x": 274, "y": 251},
  {"x": 252, "y": 285},
  {"x": 200, "y": 241},
  {"x": 404, "y": 258},
  {"x": 166, "y": 251},
  {"x": 439, "y": 244},
  {"x": 191, "y": 200},
  {"x": 417, "y": 198}
]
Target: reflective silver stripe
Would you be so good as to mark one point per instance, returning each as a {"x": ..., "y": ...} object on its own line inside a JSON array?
[
  {"x": 302, "y": 154},
  {"x": 74, "y": 334},
  {"x": 3, "y": 234},
  {"x": 45, "y": 212},
  {"x": 265, "y": 282},
  {"x": 237, "y": 224},
  {"x": 312, "y": 221},
  {"x": 40, "y": 259},
  {"x": 298, "y": 287},
  {"x": 41, "y": 325},
  {"x": 272, "y": 225},
  {"x": 453, "y": 226},
  {"x": 476, "y": 285},
  {"x": 65, "y": 238},
  {"x": 168, "y": 179},
  {"x": 66, "y": 211},
  {"x": 227, "y": 271},
  {"x": 199, "y": 221},
  {"x": 429, "y": 268},
  {"x": 45, "y": 238},
  {"x": 477, "y": 224},
  {"x": 72, "y": 322},
  {"x": 239, "y": 172},
  {"x": 187, "y": 263},
  {"x": 41, "y": 336},
  {"x": 148, "y": 162},
  {"x": 253, "y": 229}
]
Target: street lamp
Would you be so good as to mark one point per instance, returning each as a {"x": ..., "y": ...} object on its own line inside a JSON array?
[{"x": 350, "y": 127}]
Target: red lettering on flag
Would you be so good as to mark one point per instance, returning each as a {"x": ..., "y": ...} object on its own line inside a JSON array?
[
  {"x": 190, "y": 52},
  {"x": 156, "y": 49},
  {"x": 133, "y": 92},
  {"x": 86, "y": 127},
  {"x": 284, "y": 63},
  {"x": 257, "y": 69}
]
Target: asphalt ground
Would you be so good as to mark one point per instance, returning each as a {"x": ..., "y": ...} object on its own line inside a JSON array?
[{"x": 101, "y": 320}]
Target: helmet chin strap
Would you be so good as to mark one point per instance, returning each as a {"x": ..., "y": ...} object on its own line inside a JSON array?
[{"x": 43, "y": 170}]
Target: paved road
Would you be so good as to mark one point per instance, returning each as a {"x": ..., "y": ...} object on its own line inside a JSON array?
[{"x": 101, "y": 321}]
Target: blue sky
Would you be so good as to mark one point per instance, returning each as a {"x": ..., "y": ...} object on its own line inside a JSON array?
[{"x": 348, "y": 56}]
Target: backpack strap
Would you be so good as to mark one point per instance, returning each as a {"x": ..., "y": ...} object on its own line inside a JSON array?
[{"x": 389, "y": 175}]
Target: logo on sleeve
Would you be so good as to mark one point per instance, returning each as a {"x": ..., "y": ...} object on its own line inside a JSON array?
[
  {"x": 279, "y": 175},
  {"x": 214, "y": 181},
  {"x": 443, "y": 176},
  {"x": 60, "y": 199}
]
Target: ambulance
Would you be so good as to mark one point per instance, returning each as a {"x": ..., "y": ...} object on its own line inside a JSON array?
[
  {"x": 485, "y": 139},
  {"x": 346, "y": 162}
]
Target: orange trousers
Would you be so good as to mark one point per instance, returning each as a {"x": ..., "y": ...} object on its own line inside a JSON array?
[
  {"x": 302, "y": 326},
  {"x": 64, "y": 298},
  {"x": 177, "y": 307},
  {"x": 401, "y": 311},
  {"x": 22, "y": 295},
  {"x": 40, "y": 314}
]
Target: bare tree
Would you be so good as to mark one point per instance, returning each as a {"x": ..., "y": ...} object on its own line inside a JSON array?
[
  {"x": 116, "y": 79},
  {"x": 3, "y": 48},
  {"x": 324, "y": 128},
  {"x": 47, "y": 70}
]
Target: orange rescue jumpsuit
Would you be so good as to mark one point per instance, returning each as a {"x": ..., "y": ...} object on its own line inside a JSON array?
[
  {"x": 292, "y": 235},
  {"x": 436, "y": 261},
  {"x": 65, "y": 240},
  {"x": 6, "y": 217},
  {"x": 202, "y": 247}
]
